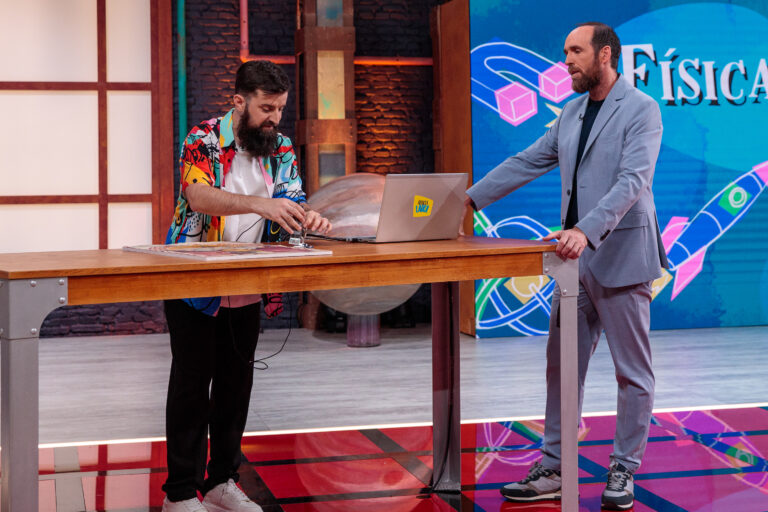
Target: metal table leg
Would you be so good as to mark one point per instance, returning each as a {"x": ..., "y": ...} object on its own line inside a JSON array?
[
  {"x": 24, "y": 304},
  {"x": 566, "y": 274},
  {"x": 446, "y": 412}
]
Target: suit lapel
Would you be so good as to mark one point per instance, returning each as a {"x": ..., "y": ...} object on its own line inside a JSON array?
[
  {"x": 611, "y": 104},
  {"x": 570, "y": 139}
]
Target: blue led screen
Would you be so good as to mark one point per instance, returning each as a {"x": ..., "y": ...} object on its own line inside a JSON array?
[{"x": 705, "y": 64}]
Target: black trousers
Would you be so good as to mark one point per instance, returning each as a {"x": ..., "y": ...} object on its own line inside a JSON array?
[{"x": 209, "y": 391}]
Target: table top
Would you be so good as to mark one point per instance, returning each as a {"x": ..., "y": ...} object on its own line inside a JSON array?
[
  {"x": 116, "y": 261},
  {"x": 106, "y": 276}
]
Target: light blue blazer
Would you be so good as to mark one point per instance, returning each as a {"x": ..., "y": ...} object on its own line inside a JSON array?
[{"x": 614, "y": 180}]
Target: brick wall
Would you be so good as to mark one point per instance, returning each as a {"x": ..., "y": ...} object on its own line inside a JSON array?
[
  {"x": 393, "y": 27},
  {"x": 99, "y": 319},
  {"x": 393, "y": 108},
  {"x": 393, "y": 105}
]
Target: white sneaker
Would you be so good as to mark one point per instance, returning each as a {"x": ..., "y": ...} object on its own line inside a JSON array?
[
  {"x": 191, "y": 505},
  {"x": 228, "y": 497}
]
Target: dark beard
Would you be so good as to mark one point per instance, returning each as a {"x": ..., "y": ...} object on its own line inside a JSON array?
[
  {"x": 590, "y": 78},
  {"x": 256, "y": 140}
]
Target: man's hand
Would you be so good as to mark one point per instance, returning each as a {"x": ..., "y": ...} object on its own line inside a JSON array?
[
  {"x": 316, "y": 222},
  {"x": 285, "y": 212},
  {"x": 288, "y": 214},
  {"x": 467, "y": 208},
  {"x": 570, "y": 242}
]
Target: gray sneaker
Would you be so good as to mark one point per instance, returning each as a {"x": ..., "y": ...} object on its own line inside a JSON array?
[
  {"x": 620, "y": 489},
  {"x": 540, "y": 484}
]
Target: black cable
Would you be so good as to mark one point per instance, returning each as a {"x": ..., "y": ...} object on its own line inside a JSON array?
[
  {"x": 261, "y": 219},
  {"x": 342, "y": 238},
  {"x": 258, "y": 364}
]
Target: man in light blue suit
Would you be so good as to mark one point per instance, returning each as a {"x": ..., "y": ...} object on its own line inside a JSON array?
[{"x": 606, "y": 143}]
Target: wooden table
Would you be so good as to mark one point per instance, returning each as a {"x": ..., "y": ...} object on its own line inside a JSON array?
[{"x": 34, "y": 284}]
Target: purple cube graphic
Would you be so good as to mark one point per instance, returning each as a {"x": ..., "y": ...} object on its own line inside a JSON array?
[
  {"x": 555, "y": 83},
  {"x": 516, "y": 103}
]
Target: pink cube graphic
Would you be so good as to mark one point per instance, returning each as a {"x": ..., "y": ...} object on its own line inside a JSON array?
[
  {"x": 555, "y": 83},
  {"x": 516, "y": 103}
]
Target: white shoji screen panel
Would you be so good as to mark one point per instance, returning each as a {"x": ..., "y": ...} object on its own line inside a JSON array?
[
  {"x": 49, "y": 227},
  {"x": 128, "y": 26},
  {"x": 129, "y": 142},
  {"x": 48, "y": 40},
  {"x": 129, "y": 224},
  {"x": 53, "y": 142}
]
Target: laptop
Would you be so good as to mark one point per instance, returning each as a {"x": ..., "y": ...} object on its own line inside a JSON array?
[{"x": 419, "y": 207}]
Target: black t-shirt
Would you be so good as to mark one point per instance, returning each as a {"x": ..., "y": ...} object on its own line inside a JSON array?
[{"x": 593, "y": 107}]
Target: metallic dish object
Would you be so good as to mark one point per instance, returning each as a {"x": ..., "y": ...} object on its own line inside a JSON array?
[{"x": 352, "y": 204}]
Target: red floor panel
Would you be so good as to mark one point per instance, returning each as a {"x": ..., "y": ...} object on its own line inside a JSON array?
[
  {"x": 115, "y": 457},
  {"x": 395, "y": 504},
  {"x": 380, "y": 470},
  {"x": 743, "y": 419},
  {"x": 494, "y": 435},
  {"x": 724, "y": 493},
  {"x": 115, "y": 492},
  {"x": 665, "y": 456},
  {"x": 305, "y": 446},
  {"x": 317, "y": 479},
  {"x": 45, "y": 460},
  {"x": 47, "y": 496},
  {"x": 412, "y": 439}
]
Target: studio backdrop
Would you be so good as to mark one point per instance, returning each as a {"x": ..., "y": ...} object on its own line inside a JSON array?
[{"x": 705, "y": 65}]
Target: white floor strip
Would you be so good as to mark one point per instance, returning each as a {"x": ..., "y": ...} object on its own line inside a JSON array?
[{"x": 408, "y": 425}]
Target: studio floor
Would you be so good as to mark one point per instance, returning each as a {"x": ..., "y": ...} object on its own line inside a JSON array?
[{"x": 338, "y": 429}]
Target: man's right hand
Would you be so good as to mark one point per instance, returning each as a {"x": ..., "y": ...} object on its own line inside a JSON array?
[
  {"x": 570, "y": 242},
  {"x": 204, "y": 198},
  {"x": 289, "y": 214},
  {"x": 467, "y": 208}
]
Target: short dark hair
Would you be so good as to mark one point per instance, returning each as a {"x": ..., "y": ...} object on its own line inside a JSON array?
[
  {"x": 261, "y": 75},
  {"x": 604, "y": 35}
]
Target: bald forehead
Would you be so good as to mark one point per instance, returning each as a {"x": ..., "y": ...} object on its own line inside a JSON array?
[{"x": 580, "y": 37}]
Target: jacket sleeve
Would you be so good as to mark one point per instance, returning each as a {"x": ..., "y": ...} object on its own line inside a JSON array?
[
  {"x": 196, "y": 164},
  {"x": 514, "y": 172},
  {"x": 636, "y": 167},
  {"x": 288, "y": 181}
]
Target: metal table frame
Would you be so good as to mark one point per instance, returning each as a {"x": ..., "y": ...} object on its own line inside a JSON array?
[{"x": 26, "y": 301}]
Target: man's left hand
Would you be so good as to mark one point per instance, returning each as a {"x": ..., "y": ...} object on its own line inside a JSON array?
[
  {"x": 570, "y": 242},
  {"x": 313, "y": 221}
]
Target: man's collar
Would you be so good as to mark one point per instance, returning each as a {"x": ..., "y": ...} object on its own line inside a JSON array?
[
  {"x": 226, "y": 130},
  {"x": 619, "y": 89}
]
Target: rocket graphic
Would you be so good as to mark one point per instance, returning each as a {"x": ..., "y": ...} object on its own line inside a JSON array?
[{"x": 686, "y": 243}]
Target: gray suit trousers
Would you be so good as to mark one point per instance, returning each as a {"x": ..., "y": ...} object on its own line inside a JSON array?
[{"x": 624, "y": 314}]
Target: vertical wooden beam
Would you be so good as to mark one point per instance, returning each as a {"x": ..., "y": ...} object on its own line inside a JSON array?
[
  {"x": 452, "y": 114},
  {"x": 101, "y": 42},
  {"x": 162, "y": 118},
  {"x": 312, "y": 161},
  {"x": 312, "y": 132}
]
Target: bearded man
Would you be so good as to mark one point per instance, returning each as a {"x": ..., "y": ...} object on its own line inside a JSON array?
[
  {"x": 239, "y": 182},
  {"x": 606, "y": 144}
]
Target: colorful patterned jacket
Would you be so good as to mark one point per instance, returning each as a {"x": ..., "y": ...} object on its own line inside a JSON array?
[{"x": 206, "y": 157}]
